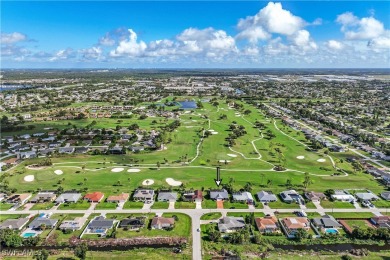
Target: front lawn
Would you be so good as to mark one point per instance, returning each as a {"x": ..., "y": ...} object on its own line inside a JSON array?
[
  {"x": 282, "y": 205},
  {"x": 133, "y": 205},
  {"x": 381, "y": 203},
  {"x": 210, "y": 216},
  {"x": 5, "y": 206},
  {"x": 185, "y": 205},
  {"x": 209, "y": 204},
  {"x": 351, "y": 214},
  {"x": 160, "y": 205},
  {"x": 42, "y": 206},
  {"x": 336, "y": 204},
  {"x": 12, "y": 216},
  {"x": 234, "y": 205},
  {"x": 83, "y": 204},
  {"x": 106, "y": 205}
]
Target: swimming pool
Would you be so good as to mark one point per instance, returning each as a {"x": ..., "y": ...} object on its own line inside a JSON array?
[
  {"x": 331, "y": 231},
  {"x": 27, "y": 235}
]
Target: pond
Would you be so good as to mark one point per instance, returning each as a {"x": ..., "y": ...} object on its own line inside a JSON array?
[{"x": 188, "y": 104}]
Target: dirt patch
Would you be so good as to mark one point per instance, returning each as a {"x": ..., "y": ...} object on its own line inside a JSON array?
[{"x": 29, "y": 178}]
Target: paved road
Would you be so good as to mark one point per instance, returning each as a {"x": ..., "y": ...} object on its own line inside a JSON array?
[{"x": 195, "y": 215}]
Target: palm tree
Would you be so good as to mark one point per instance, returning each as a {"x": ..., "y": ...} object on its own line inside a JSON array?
[
  {"x": 269, "y": 183},
  {"x": 307, "y": 181}
]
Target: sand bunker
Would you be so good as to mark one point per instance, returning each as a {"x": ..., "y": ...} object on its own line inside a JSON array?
[
  {"x": 147, "y": 182},
  {"x": 172, "y": 182},
  {"x": 58, "y": 172},
  {"x": 211, "y": 130},
  {"x": 29, "y": 178},
  {"x": 232, "y": 155},
  {"x": 117, "y": 169},
  {"x": 321, "y": 160},
  {"x": 133, "y": 170},
  {"x": 214, "y": 132},
  {"x": 223, "y": 161},
  {"x": 300, "y": 157}
]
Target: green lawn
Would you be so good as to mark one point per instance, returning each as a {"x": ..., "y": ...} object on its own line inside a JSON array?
[
  {"x": 336, "y": 204},
  {"x": 133, "y": 205},
  {"x": 282, "y": 205},
  {"x": 310, "y": 205},
  {"x": 12, "y": 216},
  {"x": 243, "y": 214},
  {"x": 209, "y": 204},
  {"x": 43, "y": 206},
  {"x": 160, "y": 205},
  {"x": 185, "y": 205},
  {"x": 210, "y": 216},
  {"x": 82, "y": 204},
  {"x": 234, "y": 205},
  {"x": 381, "y": 203},
  {"x": 106, "y": 205},
  {"x": 351, "y": 214},
  {"x": 357, "y": 224},
  {"x": 5, "y": 206}
]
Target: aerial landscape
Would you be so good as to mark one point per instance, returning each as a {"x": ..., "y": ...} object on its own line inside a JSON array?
[{"x": 209, "y": 130}]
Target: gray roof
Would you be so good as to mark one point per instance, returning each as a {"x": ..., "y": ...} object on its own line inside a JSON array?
[
  {"x": 170, "y": 196},
  {"x": 326, "y": 221},
  {"x": 70, "y": 197},
  {"x": 101, "y": 222},
  {"x": 144, "y": 193},
  {"x": 44, "y": 195},
  {"x": 219, "y": 194},
  {"x": 231, "y": 223},
  {"x": 290, "y": 195},
  {"x": 366, "y": 196},
  {"x": 386, "y": 195},
  {"x": 39, "y": 221},
  {"x": 14, "y": 223},
  {"x": 265, "y": 196},
  {"x": 242, "y": 196}
]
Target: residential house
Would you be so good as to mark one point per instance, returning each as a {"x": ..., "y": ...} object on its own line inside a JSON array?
[
  {"x": 381, "y": 221},
  {"x": 44, "y": 197},
  {"x": 73, "y": 225},
  {"x": 342, "y": 195},
  {"x": 219, "y": 194},
  {"x": 291, "y": 225},
  {"x": 291, "y": 196},
  {"x": 100, "y": 225},
  {"x": 366, "y": 196},
  {"x": 315, "y": 196},
  {"x": 81, "y": 150},
  {"x": 18, "y": 198},
  {"x": 3, "y": 196},
  {"x": 68, "y": 150},
  {"x": 385, "y": 195},
  {"x": 231, "y": 224},
  {"x": 162, "y": 223},
  {"x": 243, "y": 196},
  {"x": 27, "y": 155},
  {"x": 119, "y": 198},
  {"x": 14, "y": 224},
  {"x": 94, "y": 196},
  {"x": 267, "y": 224},
  {"x": 134, "y": 223},
  {"x": 144, "y": 195},
  {"x": 326, "y": 221},
  {"x": 68, "y": 197},
  {"x": 266, "y": 196},
  {"x": 167, "y": 196},
  {"x": 193, "y": 196},
  {"x": 39, "y": 222}
]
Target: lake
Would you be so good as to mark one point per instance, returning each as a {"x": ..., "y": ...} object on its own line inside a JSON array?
[{"x": 188, "y": 104}]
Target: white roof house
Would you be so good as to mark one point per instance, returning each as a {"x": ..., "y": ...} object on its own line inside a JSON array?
[{"x": 342, "y": 196}]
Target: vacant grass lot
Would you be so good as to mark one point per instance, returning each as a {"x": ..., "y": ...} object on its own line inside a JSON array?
[
  {"x": 42, "y": 206},
  {"x": 82, "y": 204},
  {"x": 336, "y": 204}
]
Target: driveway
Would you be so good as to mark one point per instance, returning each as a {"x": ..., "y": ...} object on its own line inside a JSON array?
[
  {"x": 219, "y": 204},
  {"x": 171, "y": 205},
  {"x": 148, "y": 205},
  {"x": 198, "y": 205},
  {"x": 120, "y": 205}
]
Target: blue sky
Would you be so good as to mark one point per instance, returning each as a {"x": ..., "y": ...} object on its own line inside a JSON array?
[{"x": 186, "y": 34}]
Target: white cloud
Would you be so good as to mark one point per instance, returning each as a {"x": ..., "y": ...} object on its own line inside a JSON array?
[
  {"x": 302, "y": 39},
  {"x": 382, "y": 42},
  {"x": 360, "y": 29},
  {"x": 93, "y": 53},
  {"x": 254, "y": 34},
  {"x": 129, "y": 47},
  {"x": 9, "y": 38},
  {"x": 334, "y": 45},
  {"x": 63, "y": 55}
]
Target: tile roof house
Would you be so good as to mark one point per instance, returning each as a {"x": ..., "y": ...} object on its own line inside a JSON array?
[
  {"x": 315, "y": 196},
  {"x": 38, "y": 222},
  {"x": 73, "y": 225},
  {"x": 381, "y": 221},
  {"x": 15, "y": 224},
  {"x": 326, "y": 221},
  {"x": 132, "y": 223},
  {"x": 291, "y": 196},
  {"x": 243, "y": 196},
  {"x": 193, "y": 196},
  {"x": 292, "y": 224},
  {"x": 385, "y": 195},
  {"x": 68, "y": 197},
  {"x": 162, "y": 223},
  {"x": 219, "y": 194},
  {"x": 44, "y": 197},
  {"x": 167, "y": 196},
  {"x": 230, "y": 224},
  {"x": 265, "y": 196},
  {"x": 118, "y": 198},
  {"x": 100, "y": 224},
  {"x": 143, "y": 195},
  {"x": 94, "y": 197},
  {"x": 268, "y": 224}
]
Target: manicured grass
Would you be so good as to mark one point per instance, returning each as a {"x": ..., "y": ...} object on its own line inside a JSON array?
[
  {"x": 351, "y": 214},
  {"x": 210, "y": 216},
  {"x": 209, "y": 204},
  {"x": 243, "y": 214},
  {"x": 5, "y": 206},
  {"x": 160, "y": 205},
  {"x": 357, "y": 223},
  {"x": 185, "y": 205},
  {"x": 82, "y": 204},
  {"x": 42, "y": 206},
  {"x": 381, "y": 204},
  {"x": 281, "y": 205},
  {"x": 336, "y": 204},
  {"x": 106, "y": 205},
  {"x": 310, "y": 205},
  {"x": 234, "y": 205},
  {"x": 133, "y": 205},
  {"x": 12, "y": 216}
]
